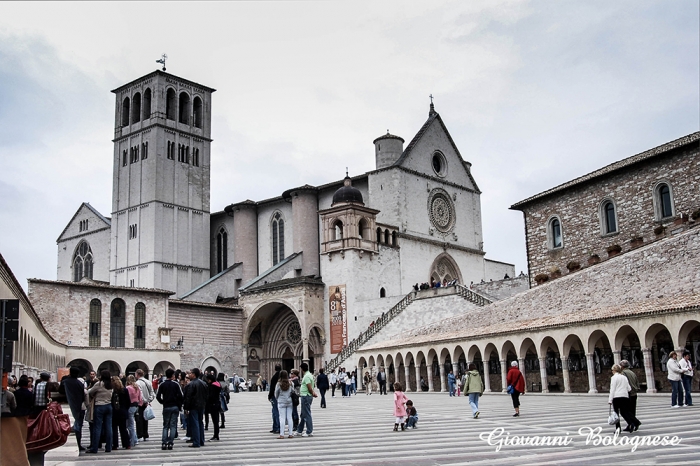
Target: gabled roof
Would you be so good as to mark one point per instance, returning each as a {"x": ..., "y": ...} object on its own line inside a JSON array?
[
  {"x": 107, "y": 221},
  {"x": 434, "y": 116},
  {"x": 613, "y": 167},
  {"x": 214, "y": 278}
]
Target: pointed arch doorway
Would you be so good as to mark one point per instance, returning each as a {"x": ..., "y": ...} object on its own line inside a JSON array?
[{"x": 287, "y": 359}]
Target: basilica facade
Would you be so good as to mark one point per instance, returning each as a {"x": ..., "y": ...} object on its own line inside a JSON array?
[{"x": 287, "y": 279}]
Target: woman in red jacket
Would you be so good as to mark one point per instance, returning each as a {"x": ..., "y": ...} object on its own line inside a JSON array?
[{"x": 516, "y": 380}]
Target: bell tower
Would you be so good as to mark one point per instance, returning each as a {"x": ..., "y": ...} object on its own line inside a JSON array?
[{"x": 161, "y": 183}]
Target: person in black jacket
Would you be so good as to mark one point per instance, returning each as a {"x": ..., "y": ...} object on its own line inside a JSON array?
[
  {"x": 322, "y": 385},
  {"x": 225, "y": 397},
  {"x": 74, "y": 390},
  {"x": 195, "y": 402},
  {"x": 213, "y": 403},
  {"x": 120, "y": 414},
  {"x": 170, "y": 396},
  {"x": 273, "y": 400}
]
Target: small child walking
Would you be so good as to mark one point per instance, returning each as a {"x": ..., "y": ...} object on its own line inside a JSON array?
[
  {"x": 399, "y": 408},
  {"x": 412, "y": 415}
]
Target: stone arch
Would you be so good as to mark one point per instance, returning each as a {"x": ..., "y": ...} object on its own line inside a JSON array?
[
  {"x": 689, "y": 327},
  {"x": 380, "y": 361},
  {"x": 459, "y": 356},
  {"x": 390, "y": 369},
  {"x": 133, "y": 366},
  {"x": 508, "y": 352},
  {"x": 622, "y": 333},
  {"x": 210, "y": 362},
  {"x": 84, "y": 365},
  {"x": 111, "y": 366},
  {"x": 575, "y": 354},
  {"x": 410, "y": 362},
  {"x": 550, "y": 350},
  {"x": 527, "y": 345},
  {"x": 660, "y": 340},
  {"x": 601, "y": 351},
  {"x": 371, "y": 362},
  {"x": 445, "y": 267},
  {"x": 400, "y": 370},
  {"x": 163, "y": 366}
]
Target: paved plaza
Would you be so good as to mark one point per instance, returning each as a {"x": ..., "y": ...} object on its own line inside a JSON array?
[{"x": 358, "y": 431}]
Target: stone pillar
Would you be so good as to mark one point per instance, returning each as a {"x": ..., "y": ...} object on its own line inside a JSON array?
[
  {"x": 504, "y": 373},
  {"x": 430, "y": 378},
  {"x": 616, "y": 357},
  {"x": 590, "y": 365},
  {"x": 455, "y": 370},
  {"x": 245, "y": 232},
  {"x": 407, "y": 372},
  {"x": 305, "y": 237},
  {"x": 565, "y": 374},
  {"x": 543, "y": 375},
  {"x": 649, "y": 370},
  {"x": 487, "y": 381},
  {"x": 521, "y": 366},
  {"x": 418, "y": 387},
  {"x": 443, "y": 384}
]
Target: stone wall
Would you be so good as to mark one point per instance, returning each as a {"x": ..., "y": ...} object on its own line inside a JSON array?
[
  {"x": 632, "y": 191},
  {"x": 209, "y": 331},
  {"x": 502, "y": 289}
]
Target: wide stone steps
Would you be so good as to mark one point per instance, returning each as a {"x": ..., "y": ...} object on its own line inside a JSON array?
[{"x": 358, "y": 430}]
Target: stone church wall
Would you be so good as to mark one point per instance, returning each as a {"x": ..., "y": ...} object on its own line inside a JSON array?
[
  {"x": 99, "y": 241},
  {"x": 502, "y": 289},
  {"x": 209, "y": 332},
  {"x": 631, "y": 190}
]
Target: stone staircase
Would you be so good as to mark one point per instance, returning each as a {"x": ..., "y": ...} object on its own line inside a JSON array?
[{"x": 383, "y": 321}]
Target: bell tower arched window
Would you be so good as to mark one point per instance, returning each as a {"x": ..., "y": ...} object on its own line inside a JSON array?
[
  {"x": 125, "y": 112},
  {"x": 184, "y": 108},
  {"x": 147, "y": 104},
  {"x": 197, "y": 112},
  {"x": 277, "y": 238},
  {"x": 117, "y": 323},
  {"x": 221, "y": 250},
  {"x": 337, "y": 230},
  {"x": 136, "y": 108},
  {"x": 82, "y": 262},
  {"x": 171, "y": 104}
]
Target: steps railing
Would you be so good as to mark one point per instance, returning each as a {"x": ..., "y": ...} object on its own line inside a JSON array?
[
  {"x": 472, "y": 296},
  {"x": 372, "y": 330}
]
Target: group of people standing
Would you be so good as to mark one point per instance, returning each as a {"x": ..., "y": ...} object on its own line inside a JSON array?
[
  {"x": 287, "y": 393},
  {"x": 344, "y": 381}
]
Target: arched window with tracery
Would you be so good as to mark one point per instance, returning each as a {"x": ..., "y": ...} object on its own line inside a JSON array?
[
  {"x": 117, "y": 323},
  {"x": 95, "y": 323},
  {"x": 277, "y": 238},
  {"x": 197, "y": 112},
  {"x": 82, "y": 262},
  {"x": 140, "y": 325},
  {"x": 221, "y": 250}
]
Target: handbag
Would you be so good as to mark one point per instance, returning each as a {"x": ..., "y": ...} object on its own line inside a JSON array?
[
  {"x": 295, "y": 398},
  {"x": 148, "y": 413},
  {"x": 511, "y": 388},
  {"x": 50, "y": 429},
  {"x": 613, "y": 418},
  {"x": 222, "y": 399}
]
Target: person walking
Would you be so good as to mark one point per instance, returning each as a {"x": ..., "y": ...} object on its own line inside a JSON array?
[
  {"x": 674, "y": 376},
  {"x": 273, "y": 401},
  {"x": 341, "y": 380},
  {"x": 283, "y": 394},
  {"x": 76, "y": 396},
  {"x": 148, "y": 396},
  {"x": 120, "y": 415},
  {"x": 135, "y": 400},
  {"x": 687, "y": 376},
  {"x": 451, "y": 382},
  {"x": 322, "y": 385},
  {"x": 634, "y": 384},
  {"x": 619, "y": 399},
  {"x": 101, "y": 396},
  {"x": 399, "y": 407},
  {"x": 213, "y": 403},
  {"x": 367, "y": 380},
  {"x": 381, "y": 380},
  {"x": 170, "y": 395},
  {"x": 474, "y": 388},
  {"x": 194, "y": 403},
  {"x": 307, "y": 394},
  {"x": 225, "y": 398},
  {"x": 515, "y": 379},
  {"x": 333, "y": 380}
]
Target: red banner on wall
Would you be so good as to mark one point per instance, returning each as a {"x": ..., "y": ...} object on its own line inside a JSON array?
[{"x": 339, "y": 318}]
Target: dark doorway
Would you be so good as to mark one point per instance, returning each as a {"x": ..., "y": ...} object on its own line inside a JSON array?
[{"x": 288, "y": 360}]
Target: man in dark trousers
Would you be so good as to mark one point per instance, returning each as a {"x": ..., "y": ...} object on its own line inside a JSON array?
[
  {"x": 74, "y": 390},
  {"x": 148, "y": 396},
  {"x": 381, "y": 379},
  {"x": 273, "y": 400},
  {"x": 195, "y": 402},
  {"x": 322, "y": 385},
  {"x": 634, "y": 383},
  {"x": 170, "y": 396}
]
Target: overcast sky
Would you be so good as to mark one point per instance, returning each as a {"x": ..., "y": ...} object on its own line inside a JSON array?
[{"x": 533, "y": 93}]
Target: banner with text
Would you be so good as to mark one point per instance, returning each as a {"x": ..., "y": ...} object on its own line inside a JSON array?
[{"x": 339, "y": 318}]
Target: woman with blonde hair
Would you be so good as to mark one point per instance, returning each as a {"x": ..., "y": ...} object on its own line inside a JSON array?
[
  {"x": 135, "y": 400},
  {"x": 619, "y": 399}
]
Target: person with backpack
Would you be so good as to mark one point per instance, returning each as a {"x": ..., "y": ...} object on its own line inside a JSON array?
[{"x": 516, "y": 385}]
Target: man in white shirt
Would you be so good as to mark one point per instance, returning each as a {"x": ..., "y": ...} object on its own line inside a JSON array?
[
  {"x": 333, "y": 380},
  {"x": 674, "y": 376},
  {"x": 341, "y": 380},
  {"x": 148, "y": 396},
  {"x": 687, "y": 376}
]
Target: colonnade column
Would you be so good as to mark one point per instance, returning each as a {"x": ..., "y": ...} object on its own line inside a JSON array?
[
  {"x": 590, "y": 366},
  {"x": 649, "y": 370},
  {"x": 521, "y": 366},
  {"x": 455, "y": 369},
  {"x": 305, "y": 351},
  {"x": 407, "y": 372},
  {"x": 565, "y": 374},
  {"x": 430, "y": 378},
  {"x": 616, "y": 357},
  {"x": 487, "y": 381},
  {"x": 443, "y": 385},
  {"x": 543, "y": 375},
  {"x": 418, "y": 387},
  {"x": 504, "y": 373}
]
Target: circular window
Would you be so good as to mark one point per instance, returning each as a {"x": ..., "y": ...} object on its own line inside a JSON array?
[
  {"x": 294, "y": 332},
  {"x": 439, "y": 164},
  {"x": 441, "y": 210}
]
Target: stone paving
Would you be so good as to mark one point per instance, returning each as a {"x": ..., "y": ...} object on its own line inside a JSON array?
[{"x": 358, "y": 431}]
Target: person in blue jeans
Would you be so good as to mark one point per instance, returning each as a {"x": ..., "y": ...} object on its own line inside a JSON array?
[
  {"x": 273, "y": 401},
  {"x": 412, "y": 416},
  {"x": 101, "y": 393},
  {"x": 451, "y": 382},
  {"x": 170, "y": 396},
  {"x": 194, "y": 404},
  {"x": 307, "y": 395},
  {"x": 687, "y": 376}
]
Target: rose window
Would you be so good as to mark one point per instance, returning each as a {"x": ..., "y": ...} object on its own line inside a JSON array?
[
  {"x": 294, "y": 332},
  {"x": 441, "y": 211}
]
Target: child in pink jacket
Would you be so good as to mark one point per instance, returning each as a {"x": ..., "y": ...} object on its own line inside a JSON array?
[{"x": 399, "y": 407}]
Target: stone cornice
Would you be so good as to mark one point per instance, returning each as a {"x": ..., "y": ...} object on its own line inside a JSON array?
[
  {"x": 86, "y": 233},
  {"x": 167, "y": 264},
  {"x": 155, "y": 201},
  {"x": 160, "y": 125},
  {"x": 92, "y": 284},
  {"x": 442, "y": 244},
  {"x": 427, "y": 177}
]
